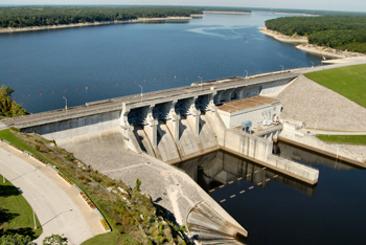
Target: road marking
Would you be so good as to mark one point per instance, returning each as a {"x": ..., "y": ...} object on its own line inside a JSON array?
[
  {"x": 223, "y": 200},
  {"x": 240, "y": 178},
  {"x": 275, "y": 176},
  {"x": 259, "y": 183},
  {"x": 232, "y": 196},
  {"x": 251, "y": 187},
  {"x": 248, "y": 175},
  {"x": 221, "y": 186},
  {"x": 212, "y": 190},
  {"x": 230, "y": 182},
  {"x": 268, "y": 179},
  {"x": 242, "y": 191}
]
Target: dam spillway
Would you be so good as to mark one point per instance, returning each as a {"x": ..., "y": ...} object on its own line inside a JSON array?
[{"x": 136, "y": 136}]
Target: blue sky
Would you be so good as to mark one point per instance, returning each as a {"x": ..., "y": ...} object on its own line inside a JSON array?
[{"x": 349, "y": 5}]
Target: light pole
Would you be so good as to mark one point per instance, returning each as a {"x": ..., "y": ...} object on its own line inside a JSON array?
[
  {"x": 246, "y": 73},
  {"x": 65, "y": 102},
  {"x": 34, "y": 220},
  {"x": 141, "y": 92},
  {"x": 201, "y": 81}
]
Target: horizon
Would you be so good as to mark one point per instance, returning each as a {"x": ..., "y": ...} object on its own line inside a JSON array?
[
  {"x": 176, "y": 5},
  {"x": 309, "y": 5}
]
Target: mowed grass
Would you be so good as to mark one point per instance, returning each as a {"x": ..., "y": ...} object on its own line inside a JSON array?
[
  {"x": 16, "y": 212},
  {"x": 348, "y": 81},
  {"x": 344, "y": 139},
  {"x": 18, "y": 143}
]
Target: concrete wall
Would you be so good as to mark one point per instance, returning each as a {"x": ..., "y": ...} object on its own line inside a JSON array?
[
  {"x": 82, "y": 132},
  {"x": 274, "y": 88},
  {"x": 97, "y": 120},
  {"x": 248, "y": 145},
  {"x": 260, "y": 150}
]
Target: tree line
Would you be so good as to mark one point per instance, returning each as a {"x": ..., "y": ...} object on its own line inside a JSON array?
[
  {"x": 340, "y": 32},
  {"x": 18, "y": 17}
]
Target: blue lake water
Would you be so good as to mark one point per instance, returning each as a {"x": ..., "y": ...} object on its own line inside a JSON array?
[{"x": 92, "y": 63}]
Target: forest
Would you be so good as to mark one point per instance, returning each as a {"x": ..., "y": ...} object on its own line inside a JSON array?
[
  {"x": 18, "y": 17},
  {"x": 340, "y": 32}
]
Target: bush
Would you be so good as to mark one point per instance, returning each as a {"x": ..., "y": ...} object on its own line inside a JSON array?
[{"x": 55, "y": 240}]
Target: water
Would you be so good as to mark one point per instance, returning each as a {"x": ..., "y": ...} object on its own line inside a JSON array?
[
  {"x": 280, "y": 210},
  {"x": 91, "y": 63}
]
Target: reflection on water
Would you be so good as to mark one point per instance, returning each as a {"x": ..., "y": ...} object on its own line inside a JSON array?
[
  {"x": 309, "y": 158},
  {"x": 217, "y": 169}
]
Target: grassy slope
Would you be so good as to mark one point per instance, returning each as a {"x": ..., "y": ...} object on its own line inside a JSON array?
[
  {"x": 14, "y": 203},
  {"x": 348, "y": 81},
  {"x": 344, "y": 139}
]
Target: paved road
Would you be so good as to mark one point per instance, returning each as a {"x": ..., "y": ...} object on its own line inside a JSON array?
[
  {"x": 58, "y": 205},
  {"x": 332, "y": 132}
]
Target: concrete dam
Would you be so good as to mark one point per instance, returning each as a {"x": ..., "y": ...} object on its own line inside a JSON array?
[{"x": 144, "y": 136}]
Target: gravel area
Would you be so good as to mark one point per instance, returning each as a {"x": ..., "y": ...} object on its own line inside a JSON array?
[
  {"x": 321, "y": 108},
  {"x": 358, "y": 150}
]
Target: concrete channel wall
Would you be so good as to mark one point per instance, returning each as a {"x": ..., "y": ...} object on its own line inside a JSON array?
[
  {"x": 259, "y": 150},
  {"x": 293, "y": 135}
]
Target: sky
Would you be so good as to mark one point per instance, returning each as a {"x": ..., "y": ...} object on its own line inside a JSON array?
[{"x": 349, "y": 5}]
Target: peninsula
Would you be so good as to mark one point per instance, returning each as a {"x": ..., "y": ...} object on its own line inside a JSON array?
[
  {"x": 25, "y": 19},
  {"x": 337, "y": 36}
]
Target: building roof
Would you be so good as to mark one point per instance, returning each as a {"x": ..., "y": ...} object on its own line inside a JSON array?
[{"x": 247, "y": 103}]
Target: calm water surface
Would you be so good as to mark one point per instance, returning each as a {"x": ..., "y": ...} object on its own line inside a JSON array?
[
  {"x": 91, "y": 63},
  {"x": 280, "y": 210}
]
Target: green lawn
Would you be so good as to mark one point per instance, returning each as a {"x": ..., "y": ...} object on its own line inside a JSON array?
[
  {"x": 18, "y": 143},
  {"x": 344, "y": 139},
  {"x": 348, "y": 81},
  {"x": 15, "y": 210}
]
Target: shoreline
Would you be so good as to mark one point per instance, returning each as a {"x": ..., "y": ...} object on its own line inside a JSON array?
[
  {"x": 284, "y": 38},
  {"x": 302, "y": 43},
  {"x": 170, "y": 19},
  {"x": 226, "y": 12}
]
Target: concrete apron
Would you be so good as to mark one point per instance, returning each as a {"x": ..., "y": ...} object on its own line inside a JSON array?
[{"x": 327, "y": 153}]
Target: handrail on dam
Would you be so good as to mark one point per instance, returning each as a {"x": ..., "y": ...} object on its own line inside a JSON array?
[{"x": 157, "y": 97}]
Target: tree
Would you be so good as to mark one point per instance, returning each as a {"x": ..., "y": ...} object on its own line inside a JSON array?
[
  {"x": 15, "y": 239},
  {"x": 55, "y": 240},
  {"x": 8, "y": 107}
]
